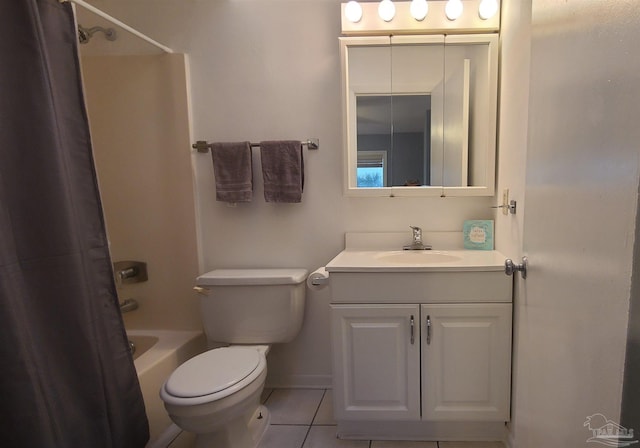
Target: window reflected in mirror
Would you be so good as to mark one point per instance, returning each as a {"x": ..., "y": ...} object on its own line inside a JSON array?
[{"x": 393, "y": 140}]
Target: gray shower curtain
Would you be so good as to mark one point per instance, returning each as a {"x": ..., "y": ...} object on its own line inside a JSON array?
[{"x": 66, "y": 376}]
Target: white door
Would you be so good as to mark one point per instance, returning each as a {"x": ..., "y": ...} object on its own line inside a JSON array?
[
  {"x": 466, "y": 362},
  {"x": 581, "y": 188},
  {"x": 376, "y": 366}
]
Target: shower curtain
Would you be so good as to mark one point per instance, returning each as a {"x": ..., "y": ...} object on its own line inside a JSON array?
[{"x": 66, "y": 375}]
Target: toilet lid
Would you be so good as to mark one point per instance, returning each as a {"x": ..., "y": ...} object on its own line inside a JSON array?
[{"x": 212, "y": 371}]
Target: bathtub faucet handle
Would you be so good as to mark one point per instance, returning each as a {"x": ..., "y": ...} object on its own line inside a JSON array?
[{"x": 128, "y": 272}]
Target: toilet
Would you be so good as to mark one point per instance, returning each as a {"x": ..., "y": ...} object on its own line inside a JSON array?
[{"x": 216, "y": 395}]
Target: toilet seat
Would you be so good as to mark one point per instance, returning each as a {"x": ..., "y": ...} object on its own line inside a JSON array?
[{"x": 213, "y": 375}]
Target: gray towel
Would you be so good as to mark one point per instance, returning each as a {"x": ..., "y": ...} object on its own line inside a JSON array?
[
  {"x": 283, "y": 170},
  {"x": 233, "y": 171}
]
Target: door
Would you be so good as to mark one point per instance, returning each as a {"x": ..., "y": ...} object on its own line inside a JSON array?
[
  {"x": 466, "y": 362},
  {"x": 581, "y": 188},
  {"x": 376, "y": 366}
]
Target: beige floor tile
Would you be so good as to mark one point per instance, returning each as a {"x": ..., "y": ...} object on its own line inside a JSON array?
[
  {"x": 184, "y": 440},
  {"x": 284, "y": 436},
  {"x": 325, "y": 437},
  {"x": 293, "y": 406},
  {"x": 402, "y": 444},
  {"x": 470, "y": 445},
  {"x": 324, "y": 416}
]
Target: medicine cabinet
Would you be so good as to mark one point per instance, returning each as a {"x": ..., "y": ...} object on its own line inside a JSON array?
[{"x": 420, "y": 114}]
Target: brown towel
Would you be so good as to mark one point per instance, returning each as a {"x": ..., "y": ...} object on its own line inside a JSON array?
[
  {"x": 233, "y": 171},
  {"x": 283, "y": 170}
]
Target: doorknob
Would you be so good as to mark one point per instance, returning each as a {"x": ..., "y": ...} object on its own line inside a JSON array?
[{"x": 510, "y": 267}]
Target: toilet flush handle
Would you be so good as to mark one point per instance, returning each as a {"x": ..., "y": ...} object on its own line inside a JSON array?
[{"x": 201, "y": 290}]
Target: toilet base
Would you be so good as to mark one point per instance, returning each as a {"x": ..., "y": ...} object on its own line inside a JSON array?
[{"x": 238, "y": 433}]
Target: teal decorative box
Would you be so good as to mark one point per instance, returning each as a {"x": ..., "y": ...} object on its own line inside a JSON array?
[{"x": 478, "y": 234}]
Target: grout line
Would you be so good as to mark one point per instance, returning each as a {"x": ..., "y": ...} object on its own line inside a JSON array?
[
  {"x": 324, "y": 392},
  {"x": 292, "y": 424}
]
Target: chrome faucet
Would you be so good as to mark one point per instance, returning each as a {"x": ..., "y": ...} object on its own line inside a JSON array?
[{"x": 417, "y": 243}]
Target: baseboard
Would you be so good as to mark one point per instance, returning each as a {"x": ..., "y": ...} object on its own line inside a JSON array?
[{"x": 299, "y": 382}]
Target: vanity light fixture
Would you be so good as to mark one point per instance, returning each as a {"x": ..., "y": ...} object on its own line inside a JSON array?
[
  {"x": 353, "y": 11},
  {"x": 387, "y": 17},
  {"x": 419, "y": 9},
  {"x": 487, "y": 9},
  {"x": 453, "y": 10},
  {"x": 386, "y": 10}
]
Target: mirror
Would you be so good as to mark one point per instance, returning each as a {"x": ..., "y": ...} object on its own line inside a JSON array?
[{"x": 420, "y": 115}]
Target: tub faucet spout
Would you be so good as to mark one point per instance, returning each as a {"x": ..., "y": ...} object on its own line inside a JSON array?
[
  {"x": 128, "y": 305},
  {"x": 416, "y": 243}
]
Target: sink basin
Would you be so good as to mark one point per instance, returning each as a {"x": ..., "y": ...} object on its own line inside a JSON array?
[
  {"x": 394, "y": 260},
  {"x": 413, "y": 257}
]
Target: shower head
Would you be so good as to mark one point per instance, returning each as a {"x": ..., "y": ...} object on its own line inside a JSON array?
[{"x": 85, "y": 34}]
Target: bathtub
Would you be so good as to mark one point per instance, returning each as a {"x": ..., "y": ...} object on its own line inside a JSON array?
[{"x": 158, "y": 353}]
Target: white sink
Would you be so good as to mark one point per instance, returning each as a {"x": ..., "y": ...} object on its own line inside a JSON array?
[
  {"x": 416, "y": 261},
  {"x": 416, "y": 257}
]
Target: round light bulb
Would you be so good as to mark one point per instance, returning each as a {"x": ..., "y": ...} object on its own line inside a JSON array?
[
  {"x": 453, "y": 10},
  {"x": 487, "y": 9},
  {"x": 386, "y": 10},
  {"x": 419, "y": 9},
  {"x": 353, "y": 11}
]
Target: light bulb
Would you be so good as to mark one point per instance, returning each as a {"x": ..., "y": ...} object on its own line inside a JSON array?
[
  {"x": 386, "y": 10},
  {"x": 453, "y": 10},
  {"x": 487, "y": 9},
  {"x": 353, "y": 11},
  {"x": 419, "y": 9}
]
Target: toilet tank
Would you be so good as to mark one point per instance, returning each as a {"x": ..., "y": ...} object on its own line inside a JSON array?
[{"x": 252, "y": 306}]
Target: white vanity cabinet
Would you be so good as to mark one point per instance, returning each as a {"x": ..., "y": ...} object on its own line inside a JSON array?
[
  {"x": 466, "y": 361},
  {"x": 434, "y": 362},
  {"x": 421, "y": 344},
  {"x": 376, "y": 361}
]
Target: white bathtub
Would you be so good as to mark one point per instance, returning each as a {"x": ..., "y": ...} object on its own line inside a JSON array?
[{"x": 158, "y": 353}]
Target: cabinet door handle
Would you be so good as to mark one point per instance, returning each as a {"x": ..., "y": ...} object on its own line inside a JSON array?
[
  {"x": 412, "y": 328},
  {"x": 428, "y": 330}
]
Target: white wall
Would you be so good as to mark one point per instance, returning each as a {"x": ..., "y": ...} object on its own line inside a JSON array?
[{"x": 271, "y": 70}]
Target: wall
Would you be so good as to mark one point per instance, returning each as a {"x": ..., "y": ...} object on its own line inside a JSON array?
[
  {"x": 271, "y": 70},
  {"x": 139, "y": 124}
]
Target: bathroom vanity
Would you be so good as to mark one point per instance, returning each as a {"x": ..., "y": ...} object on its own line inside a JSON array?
[{"x": 421, "y": 344}]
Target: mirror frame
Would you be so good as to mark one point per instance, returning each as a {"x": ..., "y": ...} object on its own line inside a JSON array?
[{"x": 349, "y": 118}]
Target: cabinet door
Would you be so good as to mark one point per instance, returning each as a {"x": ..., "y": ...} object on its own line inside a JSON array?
[
  {"x": 376, "y": 362},
  {"x": 466, "y": 362}
]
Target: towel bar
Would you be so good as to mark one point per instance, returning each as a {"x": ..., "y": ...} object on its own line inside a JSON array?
[{"x": 204, "y": 146}]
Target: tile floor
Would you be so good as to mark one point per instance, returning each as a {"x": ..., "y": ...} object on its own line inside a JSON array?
[{"x": 303, "y": 418}]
